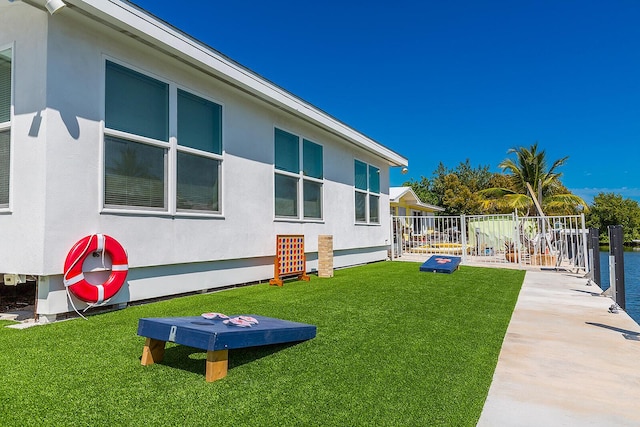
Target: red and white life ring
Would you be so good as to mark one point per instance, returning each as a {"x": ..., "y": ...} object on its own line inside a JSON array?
[{"x": 74, "y": 278}]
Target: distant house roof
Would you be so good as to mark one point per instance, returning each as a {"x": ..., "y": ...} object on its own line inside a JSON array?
[
  {"x": 144, "y": 27},
  {"x": 405, "y": 196}
]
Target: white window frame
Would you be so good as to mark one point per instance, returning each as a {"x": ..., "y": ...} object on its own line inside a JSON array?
[
  {"x": 368, "y": 193},
  {"x": 300, "y": 177},
  {"x": 7, "y": 126},
  {"x": 171, "y": 148}
]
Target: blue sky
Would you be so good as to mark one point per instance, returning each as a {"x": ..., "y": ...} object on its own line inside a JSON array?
[{"x": 443, "y": 81}]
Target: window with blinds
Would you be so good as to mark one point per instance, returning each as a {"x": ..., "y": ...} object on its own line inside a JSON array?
[
  {"x": 4, "y": 168},
  {"x": 5, "y": 125},
  {"x": 298, "y": 170},
  {"x": 367, "y": 193},
  {"x": 199, "y": 153},
  {"x": 287, "y": 165},
  {"x": 313, "y": 174},
  {"x": 136, "y": 104},
  {"x": 139, "y": 150},
  {"x": 136, "y": 165},
  {"x": 134, "y": 174}
]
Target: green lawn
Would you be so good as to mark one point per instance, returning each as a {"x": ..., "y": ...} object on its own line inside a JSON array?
[{"x": 395, "y": 347}]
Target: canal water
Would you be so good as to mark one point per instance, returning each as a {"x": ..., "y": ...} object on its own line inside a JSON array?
[{"x": 631, "y": 280}]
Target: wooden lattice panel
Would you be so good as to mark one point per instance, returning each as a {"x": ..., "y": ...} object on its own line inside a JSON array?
[{"x": 290, "y": 259}]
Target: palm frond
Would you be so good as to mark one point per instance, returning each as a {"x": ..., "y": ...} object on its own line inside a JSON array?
[
  {"x": 494, "y": 192},
  {"x": 559, "y": 201},
  {"x": 519, "y": 201}
]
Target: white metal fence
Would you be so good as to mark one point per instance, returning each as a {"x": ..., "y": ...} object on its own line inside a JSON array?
[{"x": 549, "y": 241}]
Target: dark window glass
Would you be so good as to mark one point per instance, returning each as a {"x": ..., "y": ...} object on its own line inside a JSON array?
[
  {"x": 286, "y": 196},
  {"x": 135, "y": 103},
  {"x": 5, "y": 146},
  {"x": 197, "y": 183},
  {"x": 312, "y": 199},
  {"x": 312, "y": 159},
  {"x": 287, "y": 151},
  {"x": 361, "y": 175},
  {"x": 199, "y": 123},
  {"x": 134, "y": 174}
]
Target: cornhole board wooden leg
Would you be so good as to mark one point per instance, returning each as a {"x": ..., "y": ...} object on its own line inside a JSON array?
[
  {"x": 152, "y": 352},
  {"x": 217, "y": 364}
]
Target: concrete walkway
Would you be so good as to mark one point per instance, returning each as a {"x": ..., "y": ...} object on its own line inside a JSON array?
[{"x": 565, "y": 360}]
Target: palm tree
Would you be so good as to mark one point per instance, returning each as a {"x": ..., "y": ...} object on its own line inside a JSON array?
[{"x": 529, "y": 169}]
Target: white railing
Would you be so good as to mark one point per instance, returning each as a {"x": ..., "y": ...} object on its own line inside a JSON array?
[{"x": 549, "y": 241}]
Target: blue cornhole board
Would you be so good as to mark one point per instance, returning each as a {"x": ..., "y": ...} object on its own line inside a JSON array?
[
  {"x": 441, "y": 264},
  {"x": 212, "y": 335},
  {"x": 216, "y": 338}
]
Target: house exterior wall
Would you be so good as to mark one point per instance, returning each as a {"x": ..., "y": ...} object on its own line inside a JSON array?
[
  {"x": 24, "y": 29},
  {"x": 57, "y": 172}
]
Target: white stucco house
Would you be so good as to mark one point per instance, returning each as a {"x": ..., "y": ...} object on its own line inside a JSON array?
[{"x": 114, "y": 122}]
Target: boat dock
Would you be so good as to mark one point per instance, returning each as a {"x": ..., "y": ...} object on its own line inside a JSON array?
[{"x": 566, "y": 360}]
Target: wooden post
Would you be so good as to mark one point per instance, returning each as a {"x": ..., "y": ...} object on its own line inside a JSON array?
[
  {"x": 276, "y": 273},
  {"x": 152, "y": 352},
  {"x": 217, "y": 365}
]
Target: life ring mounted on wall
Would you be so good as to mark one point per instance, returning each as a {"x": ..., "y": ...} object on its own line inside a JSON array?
[{"x": 74, "y": 279}]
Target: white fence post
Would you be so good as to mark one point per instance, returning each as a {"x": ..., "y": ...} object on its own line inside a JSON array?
[
  {"x": 392, "y": 242},
  {"x": 584, "y": 233},
  {"x": 463, "y": 230},
  {"x": 516, "y": 236}
]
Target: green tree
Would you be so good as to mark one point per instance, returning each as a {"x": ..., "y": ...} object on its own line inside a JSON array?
[
  {"x": 473, "y": 178},
  {"x": 496, "y": 205},
  {"x": 612, "y": 209},
  {"x": 456, "y": 195},
  {"x": 530, "y": 167},
  {"x": 438, "y": 186},
  {"x": 422, "y": 189},
  {"x": 459, "y": 198}
]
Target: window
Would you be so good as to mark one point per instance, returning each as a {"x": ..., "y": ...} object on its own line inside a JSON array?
[
  {"x": 367, "y": 193},
  {"x": 139, "y": 149},
  {"x": 313, "y": 176},
  {"x": 136, "y": 104},
  {"x": 199, "y": 153},
  {"x": 5, "y": 146},
  {"x": 374, "y": 197},
  {"x": 134, "y": 174},
  {"x": 5, "y": 125},
  {"x": 135, "y": 159},
  {"x": 287, "y": 176},
  {"x": 293, "y": 182}
]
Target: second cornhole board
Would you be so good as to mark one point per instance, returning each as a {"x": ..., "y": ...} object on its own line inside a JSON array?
[{"x": 441, "y": 264}]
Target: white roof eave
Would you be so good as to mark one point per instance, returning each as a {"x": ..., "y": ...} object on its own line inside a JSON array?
[
  {"x": 132, "y": 19},
  {"x": 417, "y": 202},
  {"x": 432, "y": 207},
  {"x": 427, "y": 206}
]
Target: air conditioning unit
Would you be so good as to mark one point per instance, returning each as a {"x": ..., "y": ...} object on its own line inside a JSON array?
[{"x": 14, "y": 279}]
